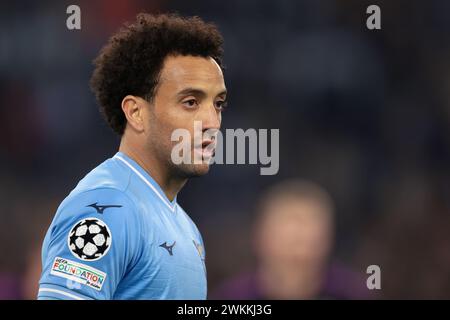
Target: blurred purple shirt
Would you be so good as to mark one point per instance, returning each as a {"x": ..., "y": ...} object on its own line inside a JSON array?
[
  {"x": 340, "y": 283},
  {"x": 10, "y": 287}
]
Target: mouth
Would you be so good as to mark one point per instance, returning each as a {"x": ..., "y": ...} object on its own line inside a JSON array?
[
  {"x": 206, "y": 149},
  {"x": 206, "y": 143}
]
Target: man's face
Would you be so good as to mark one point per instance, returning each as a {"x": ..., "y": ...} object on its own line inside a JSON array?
[
  {"x": 295, "y": 230},
  {"x": 189, "y": 89}
]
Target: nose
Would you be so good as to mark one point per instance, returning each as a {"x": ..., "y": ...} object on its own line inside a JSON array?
[{"x": 211, "y": 118}]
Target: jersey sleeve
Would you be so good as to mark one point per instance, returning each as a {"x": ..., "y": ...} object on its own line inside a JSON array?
[{"x": 92, "y": 242}]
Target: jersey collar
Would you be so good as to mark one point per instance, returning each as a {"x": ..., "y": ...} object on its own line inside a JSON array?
[{"x": 148, "y": 180}]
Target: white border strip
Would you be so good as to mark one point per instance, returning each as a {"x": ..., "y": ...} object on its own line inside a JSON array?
[
  {"x": 61, "y": 292},
  {"x": 172, "y": 208}
]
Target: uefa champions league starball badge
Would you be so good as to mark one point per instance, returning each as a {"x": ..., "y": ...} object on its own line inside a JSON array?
[{"x": 89, "y": 239}]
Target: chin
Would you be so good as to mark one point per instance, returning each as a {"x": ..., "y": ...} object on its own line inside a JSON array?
[
  {"x": 193, "y": 170},
  {"x": 200, "y": 170}
]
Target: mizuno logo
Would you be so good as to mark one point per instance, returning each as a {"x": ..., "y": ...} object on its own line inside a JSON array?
[
  {"x": 168, "y": 248},
  {"x": 100, "y": 209}
]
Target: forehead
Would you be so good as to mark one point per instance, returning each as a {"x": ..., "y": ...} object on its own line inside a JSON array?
[
  {"x": 294, "y": 209},
  {"x": 189, "y": 71}
]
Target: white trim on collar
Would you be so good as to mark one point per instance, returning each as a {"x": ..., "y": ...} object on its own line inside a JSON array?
[{"x": 169, "y": 205}]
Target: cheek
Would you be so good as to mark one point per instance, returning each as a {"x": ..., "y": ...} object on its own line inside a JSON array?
[
  {"x": 159, "y": 130},
  {"x": 176, "y": 117},
  {"x": 165, "y": 125}
]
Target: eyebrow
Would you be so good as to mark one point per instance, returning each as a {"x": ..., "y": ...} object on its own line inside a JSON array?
[{"x": 197, "y": 92}]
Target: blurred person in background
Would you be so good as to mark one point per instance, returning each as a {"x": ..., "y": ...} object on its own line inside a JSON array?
[{"x": 293, "y": 240}]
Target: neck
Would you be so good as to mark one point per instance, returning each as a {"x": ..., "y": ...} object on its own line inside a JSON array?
[
  {"x": 290, "y": 281},
  {"x": 158, "y": 170}
]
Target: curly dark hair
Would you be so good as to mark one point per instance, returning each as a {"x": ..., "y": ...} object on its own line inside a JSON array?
[{"x": 131, "y": 61}]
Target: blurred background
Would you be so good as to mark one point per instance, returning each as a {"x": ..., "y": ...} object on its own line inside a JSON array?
[{"x": 364, "y": 143}]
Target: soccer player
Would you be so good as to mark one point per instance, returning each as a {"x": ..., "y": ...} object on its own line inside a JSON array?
[{"x": 120, "y": 234}]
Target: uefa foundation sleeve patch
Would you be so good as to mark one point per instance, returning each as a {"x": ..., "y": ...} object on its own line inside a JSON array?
[{"x": 78, "y": 272}]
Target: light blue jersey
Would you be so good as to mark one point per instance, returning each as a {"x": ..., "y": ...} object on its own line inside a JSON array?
[{"x": 117, "y": 236}]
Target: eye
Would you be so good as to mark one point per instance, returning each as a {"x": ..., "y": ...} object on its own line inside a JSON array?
[
  {"x": 221, "y": 105},
  {"x": 191, "y": 103}
]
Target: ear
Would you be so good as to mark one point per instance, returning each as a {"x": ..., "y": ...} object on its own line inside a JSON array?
[{"x": 132, "y": 107}]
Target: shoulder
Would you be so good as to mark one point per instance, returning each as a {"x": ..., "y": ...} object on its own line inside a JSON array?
[
  {"x": 108, "y": 175},
  {"x": 105, "y": 206},
  {"x": 101, "y": 194},
  {"x": 103, "y": 188}
]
